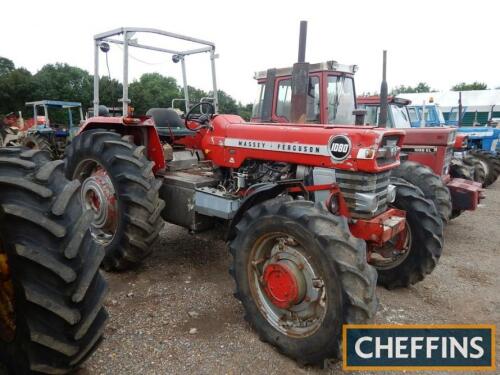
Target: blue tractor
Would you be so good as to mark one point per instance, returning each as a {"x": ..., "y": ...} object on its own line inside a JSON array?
[
  {"x": 482, "y": 141},
  {"x": 52, "y": 133}
]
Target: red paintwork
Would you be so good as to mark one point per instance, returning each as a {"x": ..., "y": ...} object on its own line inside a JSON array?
[
  {"x": 379, "y": 230},
  {"x": 432, "y": 138},
  {"x": 460, "y": 142},
  {"x": 323, "y": 81},
  {"x": 212, "y": 143},
  {"x": 143, "y": 131},
  {"x": 465, "y": 194},
  {"x": 424, "y": 137},
  {"x": 280, "y": 285}
]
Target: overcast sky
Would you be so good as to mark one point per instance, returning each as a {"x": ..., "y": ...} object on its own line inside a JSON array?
[{"x": 439, "y": 42}]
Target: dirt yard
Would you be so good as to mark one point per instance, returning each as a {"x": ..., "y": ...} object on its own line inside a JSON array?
[{"x": 177, "y": 314}]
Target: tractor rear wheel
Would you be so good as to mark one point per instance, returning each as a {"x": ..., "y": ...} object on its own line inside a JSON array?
[
  {"x": 431, "y": 185},
  {"x": 118, "y": 184},
  {"x": 51, "y": 291},
  {"x": 38, "y": 142},
  {"x": 300, "y": 275},
  {"x": 422, "y": 245},
  {"x": 490, "y": 163}
]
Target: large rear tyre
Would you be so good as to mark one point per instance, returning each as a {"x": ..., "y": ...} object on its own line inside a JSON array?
[
  {"x": 479, "y": 174},
  {"x": 423, "y": 244},
  {"x": 119, "y": 185},
  {"x": 431, "y": 185},
  {"x": 37, "y": 142},
  {"x": 51, "y": 292},
  {"x": 300, "y": 275},
  {"x": 491, "y": 165}
]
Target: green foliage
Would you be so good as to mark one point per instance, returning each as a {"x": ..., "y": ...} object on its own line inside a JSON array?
[
  {"x": 69, "y": 83},
  {"x": 469, "y": 86},
  {"x": 245, "y": 111},
  {"x": 6, "y": 66},
  {"x": 421, "y": 87},
  {"x": 16, "y": 87},
  {"x": 153, "y": 90},
  {"x": 110, "y": 91}
]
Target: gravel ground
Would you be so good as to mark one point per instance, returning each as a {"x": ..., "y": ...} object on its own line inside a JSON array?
[{"x": 176, "y": 314}]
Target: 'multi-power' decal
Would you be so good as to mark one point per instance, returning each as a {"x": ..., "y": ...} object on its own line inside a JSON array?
[{"x": 278, "y": 146}]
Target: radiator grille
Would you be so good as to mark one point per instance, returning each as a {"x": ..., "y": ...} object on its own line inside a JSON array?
[{"x": 351, "y": 183}]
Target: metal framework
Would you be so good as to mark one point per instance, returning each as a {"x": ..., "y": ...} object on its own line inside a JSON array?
[
  {"x": 46, "y": 104},
  {"x": 127, "y": 41}
]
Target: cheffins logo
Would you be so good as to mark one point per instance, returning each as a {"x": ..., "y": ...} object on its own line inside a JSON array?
[
  {"x": 339, "y": 147},
  {"x": 419, "y": 347}
]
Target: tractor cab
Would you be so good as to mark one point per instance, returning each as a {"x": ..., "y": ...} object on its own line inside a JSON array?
[
  {"x": 426, "y": 114},
  {"x": 397, "y": 112},
  {"x": 330, "y": 98},
  {"x": 59, "y": 117}
]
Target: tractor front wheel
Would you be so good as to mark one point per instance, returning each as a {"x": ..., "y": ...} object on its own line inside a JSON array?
[
  {"x": 118, "y": 184},
  {"x": 490, "y": 163},
  {"x": 430, "y": 183},
  {"x": 51, "y": 291},
  {"x": 401, "y": 263},
  {"x": 300, "y": 276}
]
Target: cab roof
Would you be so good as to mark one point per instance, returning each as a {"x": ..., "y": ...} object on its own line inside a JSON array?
[
  {"x": 333, "y": 66},
  {"x": 55, "y": 103},
  {"x": 375, "y": 100}
]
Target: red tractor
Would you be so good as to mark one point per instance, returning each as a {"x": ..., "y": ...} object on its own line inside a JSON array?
[
  {"x": 310, "y": 211},
  {"x": 429, "y": 152}
]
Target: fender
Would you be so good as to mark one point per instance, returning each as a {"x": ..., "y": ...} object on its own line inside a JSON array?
[
  {"x": 258, "y": 195},
  {"x": 143, "y": 130}
]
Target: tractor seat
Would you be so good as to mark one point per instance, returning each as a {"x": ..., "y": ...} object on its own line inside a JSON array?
[{"x": 168, "y": 122}]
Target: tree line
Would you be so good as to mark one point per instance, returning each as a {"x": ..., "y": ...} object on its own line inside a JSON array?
[
  {"x": 69, "y": 83},
  {"x": 425, "y": 87}
]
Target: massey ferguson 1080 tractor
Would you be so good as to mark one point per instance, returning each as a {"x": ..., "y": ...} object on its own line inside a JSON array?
[
  {"x": 429, "y": 153},
  {"x": 51, "y": 292},
  {"x": 308, "y": 209}
]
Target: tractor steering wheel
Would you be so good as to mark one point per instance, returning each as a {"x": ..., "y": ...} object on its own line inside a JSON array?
[{"x": 202, "y": 119}]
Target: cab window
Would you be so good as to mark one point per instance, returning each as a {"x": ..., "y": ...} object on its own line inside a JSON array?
[
  {"x": 412, "y": 112},
  {"x": 429, "y": 114},
  {"x": 257, "y": 105},
  {"x": 341, "y": 101},
  {"x": 283, "y": 105},
  {"x": 399, "y": 117}
]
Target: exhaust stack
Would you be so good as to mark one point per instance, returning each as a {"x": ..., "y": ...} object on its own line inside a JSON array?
[
  {"x": 382, "y": 117},
  {"x": 300, "y": 80}
]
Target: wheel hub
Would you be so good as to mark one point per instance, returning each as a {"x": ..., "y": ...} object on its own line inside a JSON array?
[
  {"x": 284, "y": 284},
  {"x": 98, "y": 195},
  {"x": 7, "y": 315}
]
